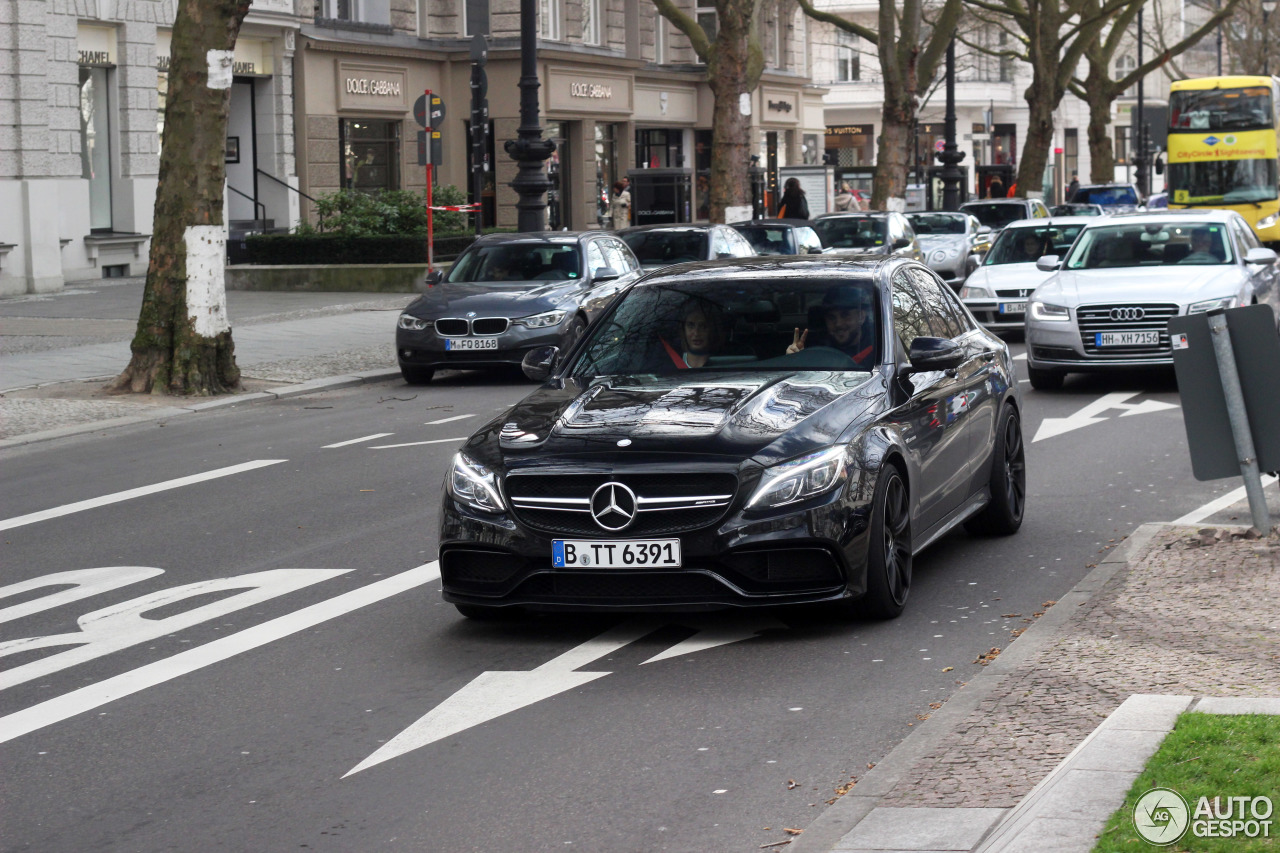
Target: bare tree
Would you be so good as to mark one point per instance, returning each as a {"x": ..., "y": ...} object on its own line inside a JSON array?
[
  {"x": 183, "y": 341},
  {"x": 1099, "y": 89},
  {"x": 734, "y": 61},
  {"x": 906, "y": 65},
  {"x": 1249, "y": 40}
]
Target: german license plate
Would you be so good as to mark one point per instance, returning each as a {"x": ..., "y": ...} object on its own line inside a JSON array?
[
  {"x": 1126, "y": 339},
  {"x": 1013, "y": 307},
  {"x": 470, "y": 343},
  {"x": 618, "y": 554}
]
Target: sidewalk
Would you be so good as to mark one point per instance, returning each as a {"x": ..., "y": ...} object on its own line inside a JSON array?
[{"x": 1033, "y": 754}]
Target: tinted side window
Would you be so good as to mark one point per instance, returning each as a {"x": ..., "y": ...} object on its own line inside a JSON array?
[
  {"x": 910, "y": 319},
  {"x": 943, "y": 317}
]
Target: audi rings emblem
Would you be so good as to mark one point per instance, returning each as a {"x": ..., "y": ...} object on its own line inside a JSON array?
[
  {"x": 613, "y": 506},
  {"x": 1122, "y": 315}
]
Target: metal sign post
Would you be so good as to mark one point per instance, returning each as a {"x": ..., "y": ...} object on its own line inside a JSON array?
[{"x": 1239, "y": 417}]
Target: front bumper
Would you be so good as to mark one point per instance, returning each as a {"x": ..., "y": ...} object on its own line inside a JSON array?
[
  {"x": 988, "y": 313},
  {"x": 810, "y": 555},
  {"x": 1059, "y": 347},
  {"x": 426, "y": 348}
]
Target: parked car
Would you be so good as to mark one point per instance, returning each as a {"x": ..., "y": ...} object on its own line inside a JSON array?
[
  {"x": 1077, "y": 209},
  {"x": 871, "y": 232},
  {"x": 998, "y": 290},
  {"x": 953, "y": 243},
  {"x": 996, "y": 213},
  {"x": 507, "y": 294},
  {"x": 780, "y": 236},
  {"x": 1113, "y": 198},
  {"x": 660, "y": 246},
  {"x": 718, "y": 439},
  {"x": 1108, "y": 303}
]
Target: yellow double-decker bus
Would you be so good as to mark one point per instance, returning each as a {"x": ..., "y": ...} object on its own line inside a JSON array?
[{"x": 1222, "y": 148}]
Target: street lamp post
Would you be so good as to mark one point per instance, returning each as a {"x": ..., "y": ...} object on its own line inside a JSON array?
[
  {"x": 1136, "y": 127},
  {"x": 949, "y": 157},
  {"x": 529, "y": 149}
]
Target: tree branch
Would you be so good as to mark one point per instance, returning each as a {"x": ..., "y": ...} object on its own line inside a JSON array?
[{"x": 838, "y": 22}]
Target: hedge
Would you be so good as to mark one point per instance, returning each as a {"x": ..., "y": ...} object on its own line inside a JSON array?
[{"x": 315, "y": 249}]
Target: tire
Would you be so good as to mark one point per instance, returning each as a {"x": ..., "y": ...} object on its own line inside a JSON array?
[
  {"x": 889, "y": 553},
  {"x": 482, "y": 613},
  {"x": 571, "y": 334},
  {"x": 1045, "y": 380},
  {"x": 1003, "y": 516},
  {"x": 417, "y": 375}
]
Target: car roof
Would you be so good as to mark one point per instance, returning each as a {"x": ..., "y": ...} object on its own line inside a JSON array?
[
  {"x": 850, "y": 214},
  {"x": 1054, "y": 220},
  {"x": 771, "y": 223},
  {"x": 1107, "y": 186},
  {"x": 560, "y": 237},
  {"x": 771, "y": 268},
  {"x": 668, "y": 226},
  {"x": 1166, "y": 215},
  {"x": 1014, "y": 199}
]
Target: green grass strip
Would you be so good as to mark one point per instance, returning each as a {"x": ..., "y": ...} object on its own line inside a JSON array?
[{"x": 1208, "y": 756}]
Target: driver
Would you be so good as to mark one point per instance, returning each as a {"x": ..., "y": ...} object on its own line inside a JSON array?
[
  {"x": 846, "y": 311},
  {"x": 1201, "y": 248}
]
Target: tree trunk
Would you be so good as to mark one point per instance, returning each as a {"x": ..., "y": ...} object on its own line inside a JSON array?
[
  {"x": 893, "y": 153},
  {"x": 1035, "y": 151},
  {"x": 183, "y": 341},
  {"x": 729, "y": 77},
  {"x": 1102, "y": 158}
]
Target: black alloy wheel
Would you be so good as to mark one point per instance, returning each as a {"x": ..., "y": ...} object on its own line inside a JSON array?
[
  {"x": 1008, "y": 484},
  {"x": 417, "y": 375},
  {"x": 571, "y": 334},
  {"x": 889, "y": 554}
]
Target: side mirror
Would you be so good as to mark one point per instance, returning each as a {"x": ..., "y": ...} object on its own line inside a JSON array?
[
  {"x": 984, "y": 229},
  {"x": 605, "y": 274},
  {"x": 1260, "y": 256},
  {"x": 815, "y": 250},
  {"x": 935, "y": 354},
  {"x": 537, "y": 364},
  {"x": 433, "y": 278},
  {"x": 1048, "y": 263},
  {"x": 901, "y": 243}
]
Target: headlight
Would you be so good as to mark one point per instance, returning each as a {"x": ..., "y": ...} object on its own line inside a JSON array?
[
  {"x": 541, "y": 321},
  {"x": 1049, "y": 312},
  {"x": 475, "y": 485},
  {"x": 976, "y": 291},
  {"x": 413, "y": 324},
  {"x": 800, "y": 479},
  {"x": 1268, "y": 221},
  {"x": 1212, "y": 304}
]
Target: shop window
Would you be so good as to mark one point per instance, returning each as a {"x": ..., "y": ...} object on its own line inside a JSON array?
[
  {"x": 549, "y": 19},
  {"x": 659, "y": 37},
  {"x": 659, "y": 148},
  {"x": 850, "y": 145},
  {"x": 95, "y": 145},
  {"x": 370, "y": 154},
  {"x": 1122, "y": 144},
  {"x": 591, "y": 22}
]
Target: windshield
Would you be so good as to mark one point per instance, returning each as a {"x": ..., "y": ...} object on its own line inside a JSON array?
[
  {"x": 1223, "y": 181},
  {"x": 1027, "y": 245},
  {"x": 996, "y": 215},
  {"x": 667, "y": 247},
  {"x": 851, "y": 232},
  {"x": 508, "y": 262},
  {"x": 1221, "y": 109},
  {"x": 937, "y": 223},
  {"x": 1155, "y": 244},
  {"x": 1106, "y": 195},
  {"x": 736, "y": 325},
  {"x": 767, "y": 241}
]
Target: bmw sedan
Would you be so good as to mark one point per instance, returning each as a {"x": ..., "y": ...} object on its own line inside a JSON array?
[
  {"x": 508, "y": 294},
  {"x": 1108, "y": 303},
  {"x": 741, "y": 433}
]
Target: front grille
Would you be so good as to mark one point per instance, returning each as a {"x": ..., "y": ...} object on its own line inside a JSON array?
[
  {"x": 1015, "y": 293},
  {"x": 666, "y": 503},
  {"x": 1093, "y": 319},
  {"x": 452, "y": 327},
  {"x": 489, "y": 325},
  {"x": 632, "y": 587},
  {"x": 794, "y": 566}
]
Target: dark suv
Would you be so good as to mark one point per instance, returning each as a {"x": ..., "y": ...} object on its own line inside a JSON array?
[{"x": 996, "y": 213}]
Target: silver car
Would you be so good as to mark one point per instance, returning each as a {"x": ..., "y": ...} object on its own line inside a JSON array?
[
  {"x": 1108, "y": 303},
  {"x": 953, "y": 243},
  {"x": 998, "y": 290}
]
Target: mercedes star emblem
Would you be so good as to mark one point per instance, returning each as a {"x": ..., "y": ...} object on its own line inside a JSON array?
[{"x": 613, "y": 506}]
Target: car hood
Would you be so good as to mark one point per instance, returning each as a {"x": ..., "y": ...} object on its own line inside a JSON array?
[
  {"x": 516, "y": 300},
  {"x": 865, "y": 250},
  {"x": 1150, "y": 284},
  {"x": 1004, "y": 276},
  {"x": 770, "y": 416},
  {"x": 941, "y": 241}
]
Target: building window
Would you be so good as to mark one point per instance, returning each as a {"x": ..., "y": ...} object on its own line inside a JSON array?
[
  {"x": 357, "y": 11},
  {"x": 850, "y": 145},
  {"x": 659, "y": 37},
  {"x": 591, "y": 21},
  {"x": 706, "y": 14},
  {"x": 475, "y": 17},
  {"x": 1122, "y": 144},
  {"x": 1006, "y": 62},
  {"x": 659, "y": 149},
  {"x": 1124, "y": 67},
  {"x": 1071, "y": 151},
  {"x": 162, "y": 94},
  {"x": 95, "y": 145},
  {"x": 370, "y": 154},
  {"x": 848, "y": 57},
  {"x": 549, "y": 19}
]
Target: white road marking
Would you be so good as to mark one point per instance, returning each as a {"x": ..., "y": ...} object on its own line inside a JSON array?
[
  {"x": 83, "y": 582},
  {"x": 1051, "y": 427},
  {"x": 93, "y": 503},
  {"x": 717, "y": 635},
  {"x": 448, "y": 420},
  {"x": 1022, "y": 356},
  {"x": 416, "y": 443},
  {"x": 96, "y": 695},
  {"x": 358, "y": 440},
  {"x": 127, "y": 623},
  {"x": 1198, "y": 515}
]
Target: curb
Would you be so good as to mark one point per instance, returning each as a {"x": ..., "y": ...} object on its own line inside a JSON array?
[
  {"x": 311, "y": 386},
  {"x": 840, "y": 819}
]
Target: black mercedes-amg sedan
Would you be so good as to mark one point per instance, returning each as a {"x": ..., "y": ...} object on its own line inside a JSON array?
[{"x": 738, "y": 433}]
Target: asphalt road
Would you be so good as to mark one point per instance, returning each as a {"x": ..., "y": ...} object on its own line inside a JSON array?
[{"x": 328, "y": 700}]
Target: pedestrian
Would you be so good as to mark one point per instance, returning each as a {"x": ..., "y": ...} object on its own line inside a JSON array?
[
  {"x": 1072, "y": 187},
  {"x": 995, "y": 189},
  {"x": 620, "y": 206},
  {"x": 844, "y": 199},
  {"x": 794, "y": 205}
]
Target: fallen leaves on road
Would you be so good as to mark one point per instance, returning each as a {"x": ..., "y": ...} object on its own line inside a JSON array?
[
  {"x": 789, "y": 831},
  {"x": 947, "y": 668},
  {"x": 775, "y": 844},
  {"x": 987, "y": 658},
  {"x": 792, "y": 783},
  {"x": 1010, "y": 615}
]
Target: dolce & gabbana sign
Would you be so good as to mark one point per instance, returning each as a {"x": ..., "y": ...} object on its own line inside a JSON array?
[
  {"x": 573, "y": 90},
  {"x": 590, "y": 90},
  {"x": 372, "y": 87}
]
